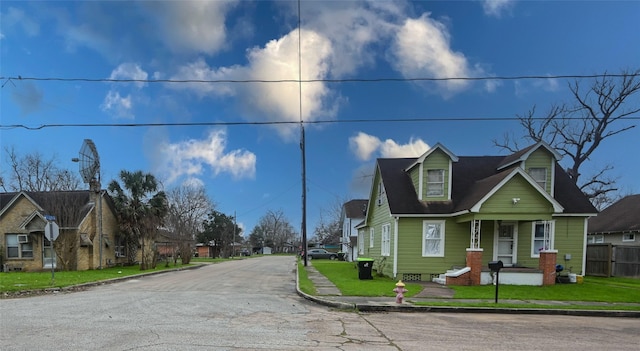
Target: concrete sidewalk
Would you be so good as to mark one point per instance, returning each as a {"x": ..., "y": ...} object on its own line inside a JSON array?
[{"x": 329, "y": 295}]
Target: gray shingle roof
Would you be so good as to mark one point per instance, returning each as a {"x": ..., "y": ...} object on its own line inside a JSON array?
[
  {"x": 355, "y": 208},
  {"x": 622, "y": 216},
  {"x": 473, "y": 178}
]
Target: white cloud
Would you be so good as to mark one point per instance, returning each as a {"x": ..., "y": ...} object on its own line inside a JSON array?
[
  {"x": 191, "y": 26},
  {"x": 414, "y": 148},
  {"x": 117, "y": 105},
  {"x": 277, "y": 60},
  {"x": 17, "y": 17},
  {"x": 191, "y": 157},
  {"x": 364, "y": 146},
  {"x": 495, "y": 8},
  {"x": 421, "y": 48},
  {"x": 130, "y": 71}
]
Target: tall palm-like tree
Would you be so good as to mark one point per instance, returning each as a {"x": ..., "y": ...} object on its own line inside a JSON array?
[{"x": 140, "y": 208}]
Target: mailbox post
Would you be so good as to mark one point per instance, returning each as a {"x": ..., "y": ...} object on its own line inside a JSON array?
[{"x": 496, "y": 266}]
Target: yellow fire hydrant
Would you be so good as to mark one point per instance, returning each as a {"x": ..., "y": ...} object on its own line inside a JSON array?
[{"x": 400, "y": 290}]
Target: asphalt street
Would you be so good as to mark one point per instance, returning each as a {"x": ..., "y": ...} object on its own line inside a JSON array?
[{"x": 252, "y": 305}]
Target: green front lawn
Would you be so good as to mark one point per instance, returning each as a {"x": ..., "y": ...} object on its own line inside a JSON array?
[
  {"x": 19, "y": 281},
  {"x": 594, "y": 289},
  {"x": 345, "y": 276}
]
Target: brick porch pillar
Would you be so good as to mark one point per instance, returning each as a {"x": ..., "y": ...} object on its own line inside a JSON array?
[
  {"x": 474, "y": 261},
  {"x": 547, "y": 264}
]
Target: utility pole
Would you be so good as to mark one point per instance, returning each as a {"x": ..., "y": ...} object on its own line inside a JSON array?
[{"x": 304, "y": 196}]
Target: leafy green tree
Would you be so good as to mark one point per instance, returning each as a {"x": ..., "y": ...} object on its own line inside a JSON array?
[
  {"x": 222, "y": 230},
  {"x": 140, "y": 208}
]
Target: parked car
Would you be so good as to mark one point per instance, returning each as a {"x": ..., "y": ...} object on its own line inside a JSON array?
[{"x": 322, "y": 253}]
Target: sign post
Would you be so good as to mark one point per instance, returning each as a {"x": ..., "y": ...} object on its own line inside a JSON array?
[{"x": 51, "y": 232}]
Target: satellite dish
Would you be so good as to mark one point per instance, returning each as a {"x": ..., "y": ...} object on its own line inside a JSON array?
[{"x": 89, "y": 161}]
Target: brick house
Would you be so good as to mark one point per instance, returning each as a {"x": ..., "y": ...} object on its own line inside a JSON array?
[{"x": 78, "y": 246}]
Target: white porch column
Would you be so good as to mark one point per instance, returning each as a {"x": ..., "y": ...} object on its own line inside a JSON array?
[{"x": 475, "y": 234}]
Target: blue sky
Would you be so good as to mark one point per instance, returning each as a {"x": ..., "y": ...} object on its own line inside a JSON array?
[{"x": 248, "y": 168}]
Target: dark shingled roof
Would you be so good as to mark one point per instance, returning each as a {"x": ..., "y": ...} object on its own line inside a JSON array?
[
  {"x": 622, "y": 216},
  {"x": 473, "y": 178},
  {"x": 356, "y": 208},
  {"x": 69, "y": 207}
]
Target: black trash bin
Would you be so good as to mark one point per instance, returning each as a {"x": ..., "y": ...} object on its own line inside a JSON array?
[{"x": 364, "y": 268}]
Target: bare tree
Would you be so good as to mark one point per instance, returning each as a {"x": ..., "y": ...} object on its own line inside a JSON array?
[
  {"x": 275, "y": 230},
  {"x": 32, "y": 172},
  {"x": 188, "y": 209},
  {"x": 329, "y": 228},
  {"x": 578, "y": 128}
]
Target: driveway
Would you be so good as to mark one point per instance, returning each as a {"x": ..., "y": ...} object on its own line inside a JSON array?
[{"x": 251, "y": 304}]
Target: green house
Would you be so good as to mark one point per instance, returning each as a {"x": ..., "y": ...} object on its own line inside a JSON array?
[{"x": 442, "y": 216}]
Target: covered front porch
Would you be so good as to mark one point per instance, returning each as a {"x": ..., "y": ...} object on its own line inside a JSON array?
[{"x": 522, "y": 243}]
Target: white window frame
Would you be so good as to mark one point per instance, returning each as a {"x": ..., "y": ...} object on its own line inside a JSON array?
[
  {"x": 433, "y": 186},
  {"x": 547, "y": 239},
  {"x": 372, "y": 236},
  {"x": 439, "y": 241},
  {"x": 533, "y": 172},
  {"x": 628, "y": 237},
  {"x": 24, "y": 250},
  {"x": 595, "y": 239},
  {"x": 361, "y": 242},
  {"x": 381, "y": 193},
  {"x": 385, "y": 245}
]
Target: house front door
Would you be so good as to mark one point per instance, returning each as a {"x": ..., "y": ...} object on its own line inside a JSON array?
[
  {"x": 505, "y": 243},
  {"x": 48, "y": 255}
]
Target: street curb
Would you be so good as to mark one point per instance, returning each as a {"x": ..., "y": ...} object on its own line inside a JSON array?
[
  {"x": 333, "y": 304},
  {"x": 79, "y": 287},
  {"x": 455, "y": 309}
]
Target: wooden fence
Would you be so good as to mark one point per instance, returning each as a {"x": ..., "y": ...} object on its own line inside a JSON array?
[{"x": 607, "y": 260}]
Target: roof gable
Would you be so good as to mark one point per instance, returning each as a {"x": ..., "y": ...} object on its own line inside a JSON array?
[
  {"x": 431, "y": 150},
  {"x": 523, "y": 154},
  {"x": 622, "y": 216},
  {"x": 69, "y": 207},
  {"x": 474, "y": 178},
  {"x": 494, "y": 183},
  {"x": 7, "y": 200}
]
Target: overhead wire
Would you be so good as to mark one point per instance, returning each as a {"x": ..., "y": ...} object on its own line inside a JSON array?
[
  {"x": 258, "y": 123},
  {"x": 318, "y": 80}
]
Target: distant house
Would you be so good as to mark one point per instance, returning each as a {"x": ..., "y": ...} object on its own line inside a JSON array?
[
  {"x": 353, "y": 213},
  {"x": 617, "y": 224},
  {"x": 23, "y": 216},
  {"x": 444, "y": 217}
]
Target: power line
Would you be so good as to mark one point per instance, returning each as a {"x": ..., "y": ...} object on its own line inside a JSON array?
[
  {"x": 199, "y": 124},
  {"x": 343, "y": 80}
]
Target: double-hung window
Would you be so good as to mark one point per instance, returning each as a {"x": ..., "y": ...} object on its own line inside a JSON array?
[
  {"x": 385, "y": 249},
  {"x": 19, "y": 246},
  {"x": 433, "y": 238},
  {"x": 540, "y": 176},
  {"x": 372, "y": 235},
  {"x": 361, "y": 242},
  {"x": 542, "y": 237},
  {"x": 435, "y": 182}
]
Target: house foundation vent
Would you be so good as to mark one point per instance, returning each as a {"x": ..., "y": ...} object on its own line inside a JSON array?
[{"x": 411, "y": 277}]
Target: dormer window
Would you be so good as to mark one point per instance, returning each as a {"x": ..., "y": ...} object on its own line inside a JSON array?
[
  {"x": 540, "y": 176},
  {"x": 435, "y": 182}
]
